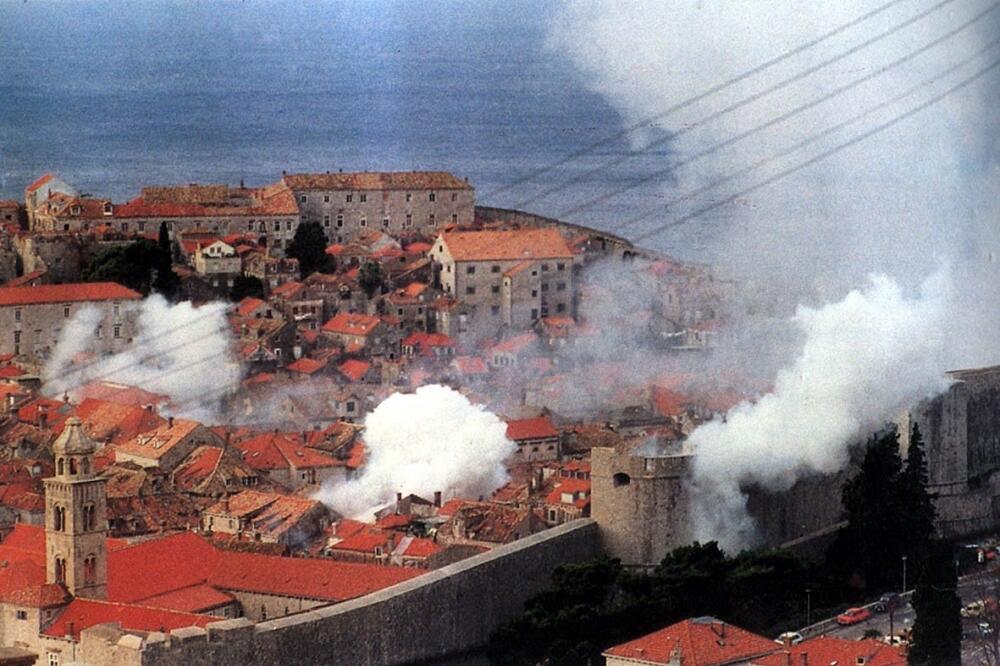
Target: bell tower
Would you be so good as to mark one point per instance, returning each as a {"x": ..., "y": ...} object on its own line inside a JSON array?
[{"x": 76, "y": 520}]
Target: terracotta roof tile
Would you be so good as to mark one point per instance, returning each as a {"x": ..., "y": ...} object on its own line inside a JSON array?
[
  {"x": 81, "y": 614},
  {"x": 539, "y": 427},
  {"x": 354, "y": 369},
  {"x": 48, "y": 177},
  {"x": 67, "y": 293},
  {"x": 272, "y": 451},
  {"x": 702, "y": 641},
  {"x": 349, "y": 323},
  {"x": 518, "y": 245},
  {"x": 398, "y": 180}
]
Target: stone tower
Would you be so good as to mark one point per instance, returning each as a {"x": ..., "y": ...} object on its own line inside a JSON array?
[
  {"x": 76, "y": 521},
  {"x": 639, "y": 503}
]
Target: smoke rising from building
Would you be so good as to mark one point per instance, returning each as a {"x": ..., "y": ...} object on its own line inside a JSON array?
[
  {"x": 179, "y": 350},
  {"x": 431, "y": 440},
  {"x": 899, "y": 204},
  {"x": 876, "y": 351}
]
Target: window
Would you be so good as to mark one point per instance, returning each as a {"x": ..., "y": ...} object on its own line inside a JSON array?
[
  {"x": 364, "y": 221},
  {"x": 534, "y": 313},
  {"x": 326, "y": 221},
  {"x": 385, "y": 222},
  {"x": 454, "y": 196},
  {"x": 470, "y": 270},
  {"x": 432, "y": 196},
  {"x": 60, "y": 571},
  {"x": 98, "y": 332},
  {"x": 409, "y": 220},
  {"x": 89, "y": 517},
  {"x": 350, "y": 405},
  {"x": 124, "y": 227},
  {"x": 277, "y": 225},
  {"x": 17, "y": 314},
  {"x": 262, "y": 226},
  {"x": 250, "y": 225},
  {"x": 263, "y": 612},
  {"x": 288, "y": 225},
  {"x": 560, "y": 286},
  {"x": 560, "y": 266},
  {"x": 142, "y": 226},
  {"x": 302, "y": 198},
  {"x": 430, "y": 220},
  {"x": 22, "y": 615},
  {"x": 534, "y": 293},
  {"x": 545, "y": 267},
  {"x": 560, "y": 307},
  {"x": 454, "y": 218},
  {"x": 545, "y": 286},
  {"x": 17, "y": 337},
  {"x": 495, "y": 310},
  {"x": 350, "y": 198},
  {"x": 116, "y": 309},
  {"x": 326, "y": 198},
  {"x": 470, "y": 290},
  {"x": 118, "y": 331},
  {"x": 53, "y": 659},
  {"x": 409, "y": 197},
  {"x": 364, "y": 198},
  {"x": 620, "y": 479},
  {"x": 340, "y": 221},
  {"x": 90, "y": 569}
]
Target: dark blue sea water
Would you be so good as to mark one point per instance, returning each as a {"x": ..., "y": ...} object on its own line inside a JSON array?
[{"x": 115, "y": 95}]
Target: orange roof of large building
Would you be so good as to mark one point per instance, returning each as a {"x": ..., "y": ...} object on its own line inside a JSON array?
[
  {"x": 354, "y": 369},
  {"x": 67, "y": 293},
  {"x": 306, "y": 366},
  {"x": 396, "y": 180},
  {"x": 516, "y": 245},
  {"x": 702, "y": 641},
  {"x": 351, "y": 323},
  {"x": 157, "y": 443},
  {"x": 45, "y": 178},
  {"x": 272, "y": 451},
  {"x": 81, "y": 614},
  {"x": 105, "y": 420},
  {"x": 824, "y": 650},
  {"x": 539, "y": 427}
]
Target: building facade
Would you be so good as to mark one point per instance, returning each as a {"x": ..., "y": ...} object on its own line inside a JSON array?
[
  {"x": 347, "y": 205},
  {"x": 33, "y": 318}
]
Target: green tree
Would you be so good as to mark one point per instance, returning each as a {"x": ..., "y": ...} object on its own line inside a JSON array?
[
  {"x": 309, "y": 247},
  {"x": 920, "y": 512},
  {"x": 370, "y": 277},
  {"x": 875, "y": 538},
  {"x": 131, "y": 265},
  {"x": 937, "y": 629},
  {"x": 246, "y": 285}
]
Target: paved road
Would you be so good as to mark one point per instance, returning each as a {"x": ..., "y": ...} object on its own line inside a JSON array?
[{"x": 974, "y": 643}]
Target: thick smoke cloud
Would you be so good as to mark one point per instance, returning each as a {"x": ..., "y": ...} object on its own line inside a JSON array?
[
  {"x": 872, "y": 352},
  {"x": 180, "y": 350},
  {"x": 920, "y": 195},
  {"x": 431, "y": 440}
]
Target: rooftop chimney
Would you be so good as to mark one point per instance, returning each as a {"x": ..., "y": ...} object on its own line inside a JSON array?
[
  {"x": 399, "y": 497},
  {"x": 170, "y": 422},
  {"x": 437, "y": 498}
]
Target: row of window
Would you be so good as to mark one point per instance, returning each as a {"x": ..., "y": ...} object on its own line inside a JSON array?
[
  {"x": 407, "y": 221},
  {"x": 495, "y": 268},
  {"x": 560, "y": 286},
  {"x": 363, "y": 197},
  {"x": 59, "y": 523}
]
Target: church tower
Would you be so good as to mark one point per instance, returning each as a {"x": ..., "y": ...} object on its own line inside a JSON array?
[{"x": 76, "y": 520}]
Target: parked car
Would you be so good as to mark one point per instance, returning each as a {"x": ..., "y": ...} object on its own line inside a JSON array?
[
  {"x": 975, "y": 609},
  {"x": 853, "y": 616},
  {"x": 789, "y": 638},
  {"x": 888, "y": 601}
]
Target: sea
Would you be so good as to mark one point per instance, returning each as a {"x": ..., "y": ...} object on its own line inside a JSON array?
[{"x": 113, "y": 96}]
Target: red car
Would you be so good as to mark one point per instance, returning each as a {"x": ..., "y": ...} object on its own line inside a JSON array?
[{"x": 853, "y": 616}]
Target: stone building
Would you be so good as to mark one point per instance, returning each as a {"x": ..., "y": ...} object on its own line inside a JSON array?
[
  {"x": 40, "y": 190},
  {"x": 399, "y": 203},
  {"x": 961, "y": 433},
  {"x": 510, "y": 278},
  {"x": 218, "y": 263},
  {"x": 32, "y": 318}
]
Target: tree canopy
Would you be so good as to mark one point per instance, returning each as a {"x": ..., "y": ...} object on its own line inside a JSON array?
[
  {"x": 937, "y": 628},
  {"x": 309, "y": 247},
  {"x": 131, "y": 265},
  {"x": 246, "y": 285}
]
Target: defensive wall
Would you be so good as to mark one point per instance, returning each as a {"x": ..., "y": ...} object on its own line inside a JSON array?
[{"x": 427, "y": 620}]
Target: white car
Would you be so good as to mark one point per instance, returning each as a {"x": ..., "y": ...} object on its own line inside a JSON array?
[{"x": 789, "y": 637}]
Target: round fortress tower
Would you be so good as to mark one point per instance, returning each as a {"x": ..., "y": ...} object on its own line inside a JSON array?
[{"x": 640, "y": 504}]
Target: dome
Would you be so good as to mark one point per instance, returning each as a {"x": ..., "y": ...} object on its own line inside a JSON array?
[{"x": 73, "y": 440}]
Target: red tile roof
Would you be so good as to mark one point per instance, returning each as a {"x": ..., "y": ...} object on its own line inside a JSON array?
[
  {"x": 419, "y": 547},
  {"x": 246, "y": 307},
  {"x": 348, "y": 323},
  {"x": 272, "y": 451},
  {"x": 354, "y": 369},
  {"x": 306, "y": 366},
  {"x": 577, "y": 489},
  {"x": 81, "y": 614},
  {"x": 824, "y": 650},
  {"x": 119, "y": 423},
  {"x": 38, "y": 183},
  {"x": 470, "y": 365},
  {"x": 702, "y": 641},
  {"x": 667, "y": 402},
  {"x": 539, "y": 427},
  {"x": 122, "y": 394},
  {"x": 518, "y": 245},
  {"x": 398, "y": 180},
  {"x": 67, "y": 293},
  {"x": 157, "y": 443},
  {"x": 517, "y": 343},
  {"x": 194, "y": 599}
]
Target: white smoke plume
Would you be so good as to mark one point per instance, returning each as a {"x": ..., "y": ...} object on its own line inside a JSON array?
[
  {"x": 899, "y": 204},
  {"x": 180, "y": 350},
  {"x": 431, "y": 440},
  {"x": 864, "y": 358}
]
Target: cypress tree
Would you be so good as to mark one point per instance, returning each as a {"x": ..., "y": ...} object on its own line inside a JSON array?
[
  {"x": 937, "y": 629},
  {"x": 919, "y": 512}
]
